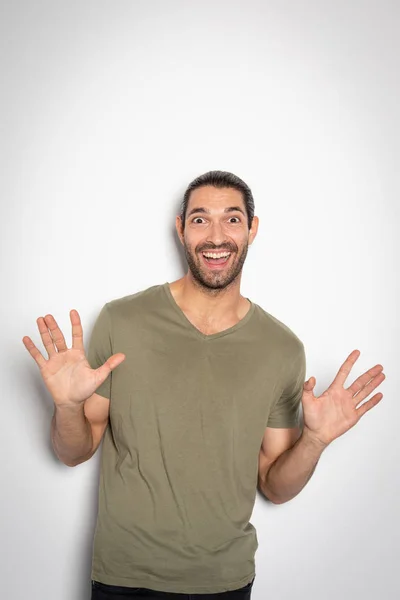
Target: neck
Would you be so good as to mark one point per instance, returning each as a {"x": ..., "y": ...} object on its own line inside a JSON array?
[{"x": 209, "y": 304}]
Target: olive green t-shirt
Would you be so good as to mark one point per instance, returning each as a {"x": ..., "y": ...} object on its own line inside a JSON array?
[{"x": 179, "y": 460}]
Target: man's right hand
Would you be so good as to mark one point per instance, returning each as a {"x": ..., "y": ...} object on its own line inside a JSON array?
[{"x": 67, "y": 374}]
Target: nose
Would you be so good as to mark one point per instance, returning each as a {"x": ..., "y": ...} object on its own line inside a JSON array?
[{"x": 216, "y": 234}]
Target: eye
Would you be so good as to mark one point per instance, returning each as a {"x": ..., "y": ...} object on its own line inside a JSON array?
[
  {"x": 237, "y": 219},
  {"x": 196, "y": 219}
]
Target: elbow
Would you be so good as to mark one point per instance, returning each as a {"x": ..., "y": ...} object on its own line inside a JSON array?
[
  {"x": 266, "y": 492},
  {"x": 78, "y": 461},
  {"x": 68, "y": 462},
  {"x": 277, "y": 501},
  {"x": 271, "y": 498}
]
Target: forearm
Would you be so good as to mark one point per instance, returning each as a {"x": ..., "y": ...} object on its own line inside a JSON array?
[
  {"x": 71, "y": 434},
  {"x": 289, "y": 474}
]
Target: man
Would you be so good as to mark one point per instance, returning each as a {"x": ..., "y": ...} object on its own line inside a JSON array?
[{"x": 197, "y": 391}]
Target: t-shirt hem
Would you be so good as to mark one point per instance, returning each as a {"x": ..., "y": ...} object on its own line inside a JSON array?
[{"x": 172, "y": 587}]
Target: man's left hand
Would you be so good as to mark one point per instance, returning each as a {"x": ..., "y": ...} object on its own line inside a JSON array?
[{"x": 335, "y": 411}]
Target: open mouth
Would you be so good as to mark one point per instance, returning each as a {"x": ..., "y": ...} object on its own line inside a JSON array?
[{"x": 216, "y": 259}]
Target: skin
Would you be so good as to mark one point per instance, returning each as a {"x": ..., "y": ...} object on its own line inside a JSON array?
[
  {"x": 283, "y": 472},
  {"x": 212, "y": 301}
]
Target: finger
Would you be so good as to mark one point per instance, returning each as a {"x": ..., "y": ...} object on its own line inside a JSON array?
[
  {"x": 361, "y": 381},
  {"x": 110, "y": 364},
  {"x": 368, "y": 405},
  {"x": 46, "y": 337},
  {"x": 308, "y": 389},
  {"x": 55, "y": 332},
  {"x": 34, "y": 352},
  {"x": 77, "y": 331},
  {"x": 367, "y": 389},
  {"x": 310, "y": 384},
  {"x": 346, "y": 367}
]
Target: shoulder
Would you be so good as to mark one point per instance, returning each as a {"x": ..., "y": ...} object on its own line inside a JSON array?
[
  {"x": 287, "y": 348},
  {"x": 137, "y": 303},
  {"x": 282, "y": 337}
]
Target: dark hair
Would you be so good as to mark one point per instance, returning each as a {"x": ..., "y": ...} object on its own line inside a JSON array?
[{"x": 219, "y": 179}]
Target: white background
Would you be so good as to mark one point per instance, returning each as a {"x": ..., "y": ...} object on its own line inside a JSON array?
[{"x": 108, "y": 111}]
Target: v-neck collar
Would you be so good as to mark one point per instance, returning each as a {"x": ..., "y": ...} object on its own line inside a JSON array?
[{"x": 197, "y": 331}]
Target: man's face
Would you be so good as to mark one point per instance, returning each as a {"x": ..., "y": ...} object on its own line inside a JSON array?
[{"x": 216, "y": 222}]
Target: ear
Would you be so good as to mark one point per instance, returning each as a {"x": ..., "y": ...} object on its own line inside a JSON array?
[
  {"x": 253, "y": 230},
  {"x": 179, "y": 230}
]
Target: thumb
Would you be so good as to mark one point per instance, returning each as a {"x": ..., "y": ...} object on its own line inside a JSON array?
[
  {"x": 110, "y": 364},
  {"x": 310, "y": 384}
]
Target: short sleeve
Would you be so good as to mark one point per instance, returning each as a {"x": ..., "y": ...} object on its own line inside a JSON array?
[
  {"x": 100, "y": 348},
  {"x": 286, "y": 411}
]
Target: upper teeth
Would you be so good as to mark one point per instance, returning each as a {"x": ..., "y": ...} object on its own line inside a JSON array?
[{"x": 215, "y": 255}]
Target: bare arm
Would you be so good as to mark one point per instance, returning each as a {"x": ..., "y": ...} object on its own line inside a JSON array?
[
  {"x": 71, "y": 434},
  {"x": 283, "y": 474},
  {"x": 282, "y": 478},
  {"x": 76, "y": 432},
  {"x": 80, "y": 415}
]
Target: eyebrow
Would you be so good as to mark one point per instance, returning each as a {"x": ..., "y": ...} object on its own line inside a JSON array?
[{"x": 227, "y": 210}]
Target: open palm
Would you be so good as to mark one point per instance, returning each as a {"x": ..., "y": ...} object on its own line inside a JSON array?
[
  {"x": 67, "y": 373},
  {"x": 335, "y": 411}
]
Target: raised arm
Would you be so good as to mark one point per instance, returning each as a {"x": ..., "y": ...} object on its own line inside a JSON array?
[{"x": 80, "y": 415}]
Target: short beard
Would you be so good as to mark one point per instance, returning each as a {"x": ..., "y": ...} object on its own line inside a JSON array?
[{"x": 219, "y": 282}]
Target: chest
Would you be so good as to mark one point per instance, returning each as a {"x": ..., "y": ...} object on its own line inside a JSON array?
[
  {"x": 194, "y": 407},
  {"x": 182, "y": 381}
]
